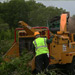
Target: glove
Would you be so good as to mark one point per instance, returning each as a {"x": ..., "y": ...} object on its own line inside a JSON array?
[{"x": 52, "y": 36}]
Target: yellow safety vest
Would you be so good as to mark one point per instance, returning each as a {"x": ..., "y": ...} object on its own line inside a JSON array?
[{"x": 40, "y": 46}]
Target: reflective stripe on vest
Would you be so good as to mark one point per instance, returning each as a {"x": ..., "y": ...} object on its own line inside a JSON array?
[{"x": 40, "y": 46}]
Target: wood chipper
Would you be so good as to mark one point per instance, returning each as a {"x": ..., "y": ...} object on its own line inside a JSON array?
[
  {"x": 25, "y": 38},
  {"x": 61, "y": 50}
]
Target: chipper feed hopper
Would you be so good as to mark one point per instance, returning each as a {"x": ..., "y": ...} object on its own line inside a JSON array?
[{"x": 25, "y": 38}]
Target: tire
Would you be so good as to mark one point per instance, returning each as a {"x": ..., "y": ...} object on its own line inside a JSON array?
[{"x": 71, "y": 67}]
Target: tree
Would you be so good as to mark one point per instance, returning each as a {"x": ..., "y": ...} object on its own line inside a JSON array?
[
  {"x": 35, "y": 14},
  {"x": 42, "y": 15},
  {"x": 14, "y": 11}
]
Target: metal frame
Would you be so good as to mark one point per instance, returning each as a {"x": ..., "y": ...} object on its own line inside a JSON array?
[
  {"x": 15, "y": 33},
  {"x": 34, "y": 28}
]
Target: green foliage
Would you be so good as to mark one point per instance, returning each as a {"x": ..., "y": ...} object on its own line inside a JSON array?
[
  {"x": 6, "y": 40},
  {"x": 16, "y": 10},
  {"x": 4, "y": 26},
  {"x": 35, "y": 14},
  {"x": 1, "y": 20},
  {"x": 42, "y": 15},
  {"x": 12, "y": 33},
  {"x": 18, "y": 66},
  {"x": 5, "y": 46},
  {"x": 2, "y": 35},
  {"x": 6, "y": 34}
]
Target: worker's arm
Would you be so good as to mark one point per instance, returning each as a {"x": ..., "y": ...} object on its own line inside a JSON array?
[
  {"x": 33, "y": 48},
  {"x": 50, "y": 40}
]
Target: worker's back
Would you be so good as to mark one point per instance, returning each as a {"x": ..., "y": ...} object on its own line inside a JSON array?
[{"x": 40, "y": 46}]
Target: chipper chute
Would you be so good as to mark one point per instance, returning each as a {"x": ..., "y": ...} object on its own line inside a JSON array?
[
  {"x": 12, "y": 52},
  {"x": 15, "y": 50}
]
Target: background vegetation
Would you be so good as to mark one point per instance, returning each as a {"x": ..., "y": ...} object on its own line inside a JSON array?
[
  {"x": 35, "y": 14},
  {"x": 13, "y": 11}
]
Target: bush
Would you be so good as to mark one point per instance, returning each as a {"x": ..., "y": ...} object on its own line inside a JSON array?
[
  {"x": 2, "y": 35},
  {"x": 7, "y": 35},
  {"x": 17, "y": 66},
  {"x": 5, "y": 46},
  {"x": 12, "y": 33}
]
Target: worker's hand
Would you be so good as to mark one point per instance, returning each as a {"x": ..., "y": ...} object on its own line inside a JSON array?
[{"x": 48, "y": 55}]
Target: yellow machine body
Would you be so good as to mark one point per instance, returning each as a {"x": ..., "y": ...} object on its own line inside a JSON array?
[
  {"x": 62, "y": 48},
  {"x": 63, "y": 44},
  {"x": 12, "y": 52}
]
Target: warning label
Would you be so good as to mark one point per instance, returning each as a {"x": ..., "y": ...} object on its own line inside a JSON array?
[{"x": 64, "y": 47}]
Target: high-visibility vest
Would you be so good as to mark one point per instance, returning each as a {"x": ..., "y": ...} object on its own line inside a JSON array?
[{"x": 40, "y": 46}]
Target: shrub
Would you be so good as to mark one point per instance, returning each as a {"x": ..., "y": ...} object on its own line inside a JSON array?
[{"x": 17, "y": 66}]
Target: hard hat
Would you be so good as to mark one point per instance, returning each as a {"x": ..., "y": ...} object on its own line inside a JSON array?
[{"x": 36, "y": 33}]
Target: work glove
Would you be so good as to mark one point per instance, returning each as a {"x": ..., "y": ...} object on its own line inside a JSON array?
[{"x": 52, "y": 36}]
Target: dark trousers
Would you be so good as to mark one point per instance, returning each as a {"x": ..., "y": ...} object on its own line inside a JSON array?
[{"x": 41, "y": 62}]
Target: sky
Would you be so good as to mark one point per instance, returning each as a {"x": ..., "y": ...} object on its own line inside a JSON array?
[{"x": 69, "y": 5}]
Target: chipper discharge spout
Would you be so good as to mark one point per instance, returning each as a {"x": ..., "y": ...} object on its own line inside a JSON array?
[
  {"x": 29, "y": 30},
  {"x": 63, "y": 24}
]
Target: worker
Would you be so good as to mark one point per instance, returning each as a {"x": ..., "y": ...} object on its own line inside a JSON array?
[{"x": 41, "y": 52}]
